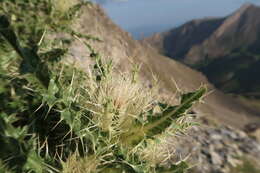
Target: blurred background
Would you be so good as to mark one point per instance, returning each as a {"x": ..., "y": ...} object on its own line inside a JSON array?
[{"x": 143, "y": 18}]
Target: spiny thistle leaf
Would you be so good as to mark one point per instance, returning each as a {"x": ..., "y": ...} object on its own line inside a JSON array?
[
  {"x": 34, "y": 162},
  {"x": 160, "y": 123},
  {"x": 157, "y": 124},
  {"x": 31, "y": 61},
  {"x": 15, "y": 150},
  {"x": 9, "y": 34}
]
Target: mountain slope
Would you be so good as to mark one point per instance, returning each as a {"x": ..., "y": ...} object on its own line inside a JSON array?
[
  {"x": 226, "y": 49},
  {"x": 119, "y": 45},
  {"x": 178, "y": 42}
]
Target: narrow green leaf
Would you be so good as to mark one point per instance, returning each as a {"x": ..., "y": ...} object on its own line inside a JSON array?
[
  {"x": 67, "y": 116},
  {"x": 34, "y": 162},
  {"x": 181, "y": 167},
  {"x": 157, "y": 124},
  {"x": 31, "y": 62},
  {"x": 160, "y": 123}
]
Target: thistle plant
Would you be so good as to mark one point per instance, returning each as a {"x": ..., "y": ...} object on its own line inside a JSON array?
[{"x": 56, "y": 117}]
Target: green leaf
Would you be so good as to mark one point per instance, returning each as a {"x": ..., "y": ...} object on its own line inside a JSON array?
[
  {"x": 157, "y": 124},
  {"x": 9, "y": 34},
  {"x": 67, "y": 116},
  {"x": 31, "y": 61},
  {"x": 50, "y": 97},
  {"x": 181, "y": 167},
  {"x": 34, "y": 162},
  {"x": 53, "y": 88}
]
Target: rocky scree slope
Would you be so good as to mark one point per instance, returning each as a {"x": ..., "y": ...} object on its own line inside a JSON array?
[{"x": 219, "y": 149}]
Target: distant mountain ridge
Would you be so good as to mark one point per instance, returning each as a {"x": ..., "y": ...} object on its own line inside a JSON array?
[{"x": 225, "y": 49}]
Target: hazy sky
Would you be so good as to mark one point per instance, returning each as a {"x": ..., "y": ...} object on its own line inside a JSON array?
[{"x": 147, "y": 16}]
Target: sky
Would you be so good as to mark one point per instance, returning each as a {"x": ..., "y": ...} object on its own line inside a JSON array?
[{"x": 144, "y": 17}]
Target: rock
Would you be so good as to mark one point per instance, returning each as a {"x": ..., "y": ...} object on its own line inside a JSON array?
[
  {"x": 219, "y": 148},
  {"x": 241, "y": 134},
  {"x": 256, "y": 135},
  {"x": 225, "y": 169},
  {"x": 218, "y": 145},
  {"x": 216, "y": 158},
  {"x": 233, "y": 161},
  {"x": 229, "y": 133},
  {"x": 216, "y": 137},
  {"x": 252, "y": 127}
]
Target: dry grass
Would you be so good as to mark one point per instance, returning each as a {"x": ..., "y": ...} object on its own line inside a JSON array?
[
  {"x": 64, "y": 5},
  {"x": 76, "y": 164},
  {"x": 117, "y": 100}
]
